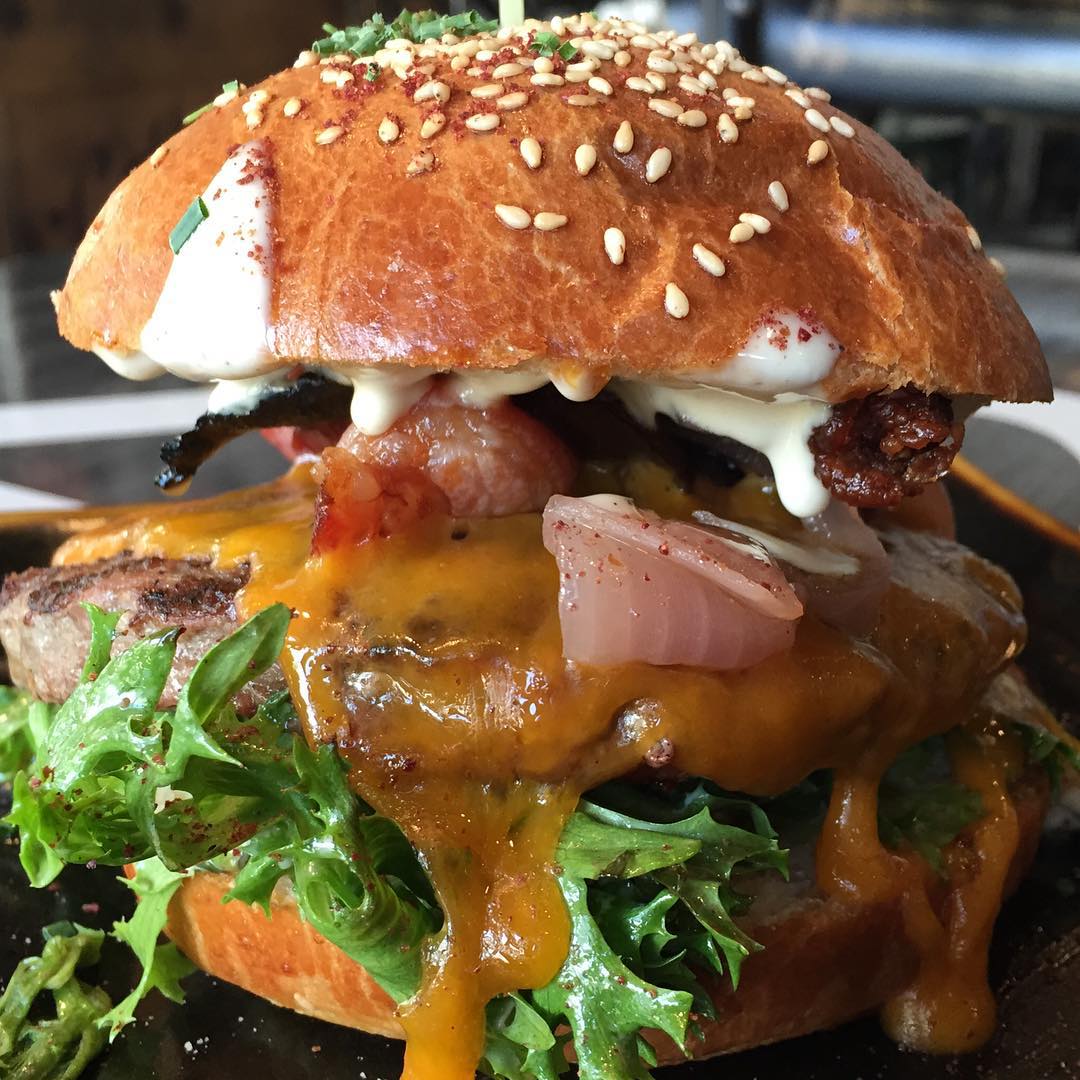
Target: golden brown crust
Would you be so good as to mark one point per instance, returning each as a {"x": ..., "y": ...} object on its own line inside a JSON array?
[
  {"x": 824, "y": 961},
  {"x": 373, "y": 265}
]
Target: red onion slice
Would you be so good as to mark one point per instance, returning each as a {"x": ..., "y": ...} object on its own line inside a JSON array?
[{"x": 637, "y": 587}]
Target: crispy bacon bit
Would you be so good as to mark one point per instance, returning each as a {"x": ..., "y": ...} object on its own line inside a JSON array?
[
  {"x": 358, "y": 501},
  {"x": 875, "y": 450}
]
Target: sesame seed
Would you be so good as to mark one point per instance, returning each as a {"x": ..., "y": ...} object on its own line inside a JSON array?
[
  {"x": 306, "y": 59},
  {"x": 510, "y": 102},
  {"x": 661, "y": 65},
  {"x": 841, "y": 127},
  {"x": 577, "y": 76},
  {"x": 582, "y": 100},
  {"x": 482, "y": 122},
  {"x": 623, "y": 142},
  {"x": 253, "y": 118},
  {"x": 225, "y": 97},
  {"x": 543, "y": 65},
  {"x": 675, "y": 302},
  {"x": 507, "y": 71},
  {"x": 641, "y": 85},
  {"x": 644, "y": 41},
  {"x": 601, "y": 86},
  {"x": 292, "y": 106},
  {"x": 557, "y": 26},
  {"x": 735, "y": 100},
  {"x": 329, "y": 135},
  {"x": 256, "y": 98},
  {"x": 546, "y": 78},
  {"x": 585, "y": 158},
  {"x": 756, "y": 222},
  {"x": 622, "y": 58},
  {"x": 388, "y": 130},
  {"x": 157, "y": 155},
  {"x": 753, "y": 75},
  {"x": 656, "y": 168},
  {"x": 998, "y": 265},
  {"x": 513, "y": 217},
  {"x": 973, "y": 236},
  {"x": 815, "y": 119},
  {"x": 741, "y": 233},
  {"x": 819, "y": 151},
  {"x": 690, "y": 85},
  {"x": 488, "y": 90},
  {"x": 817, "y": 92},
  {"x": 778, "y": 194},
  {"x": 773, "y": 75},
  {"x": 432, "y": 125},
  {"x": 459, "y": 63},
  {"x": 799, "y": 98},
  {"x": 547, "y": 222},
  {"x": 658, "y": 80},
  {"x": 583, "y": 67},
  {"x": 692, "y": 118},
  {"x": 727, "y": 129},
  {"x": 532, "y": 152},
  {"x": 434, "y": 89},
  {"x": 666, "y": 107},
  {"x": 709, "y": 261},
  {"x": 743, "y": 112},
  {"x": 421, "y": 163},
  {"x": 615, "y": 245}
]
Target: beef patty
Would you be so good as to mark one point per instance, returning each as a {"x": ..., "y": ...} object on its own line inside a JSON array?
[{"x": 45, "y": 631}]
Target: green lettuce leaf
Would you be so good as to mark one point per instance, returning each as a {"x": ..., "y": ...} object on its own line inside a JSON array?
[
  {"x": 16, "y": 737},
  {"x": 163, "y": 965}
]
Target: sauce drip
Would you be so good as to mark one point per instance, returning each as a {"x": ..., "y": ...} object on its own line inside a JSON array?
[{"x": 432, "y": 659}]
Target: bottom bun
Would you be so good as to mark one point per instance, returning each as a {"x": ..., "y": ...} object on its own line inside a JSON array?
[{"x": 825, "y": 961}]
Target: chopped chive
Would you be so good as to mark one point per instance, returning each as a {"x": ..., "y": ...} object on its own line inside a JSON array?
[
  {"x": 545, "y": 43},
  {"x": 372, "y": 72},
  {"x": 193, "y": 217},
  {"x": 232, "y": 86},
  {"x": 567, "y": 51},
  {"x": 193, "y": 116},
  {"x": 416, "y": 26}
]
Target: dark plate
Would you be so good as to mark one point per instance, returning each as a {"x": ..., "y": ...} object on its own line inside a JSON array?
[{"x": 224, "y": 1032}]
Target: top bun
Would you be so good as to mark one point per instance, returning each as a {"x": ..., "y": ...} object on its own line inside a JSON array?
[{"x": 412, "y": 224}]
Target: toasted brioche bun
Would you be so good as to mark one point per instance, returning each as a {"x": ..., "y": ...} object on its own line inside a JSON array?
[
  {"x": 372, "y": 265},
  {"x": 824, "y": 961}
]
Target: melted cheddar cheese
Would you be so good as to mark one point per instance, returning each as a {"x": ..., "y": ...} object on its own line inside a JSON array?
[{"x": 432, "y": 659}]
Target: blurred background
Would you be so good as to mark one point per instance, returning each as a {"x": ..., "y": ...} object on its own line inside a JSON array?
[{"x": 982, "y": 95}]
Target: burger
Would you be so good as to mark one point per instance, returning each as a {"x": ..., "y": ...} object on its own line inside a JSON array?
[{"x": 602, "y": 681}]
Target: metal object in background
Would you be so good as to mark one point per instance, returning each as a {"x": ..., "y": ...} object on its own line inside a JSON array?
[{"x": 944, "y": 55}]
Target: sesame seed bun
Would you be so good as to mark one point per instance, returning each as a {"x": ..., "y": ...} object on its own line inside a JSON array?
[
  {"x": 413, "y": 230},
  {"x": 824, "y": 961}
]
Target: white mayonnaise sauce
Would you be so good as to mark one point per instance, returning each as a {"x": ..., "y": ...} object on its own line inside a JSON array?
[
  {"x": 814, "y": 560},
  {"x": 786, "y": 354},
  {"x": 212, "y": 317},
  {"x": 778, "y": 429},
  {"x": 136, "y": 366},
  {"x": 242, "y": 395}
]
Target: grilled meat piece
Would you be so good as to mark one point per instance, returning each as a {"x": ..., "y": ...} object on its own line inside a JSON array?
[
  {"x": 873, "y": 451},
  {"x": 46, "y": 632}
]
